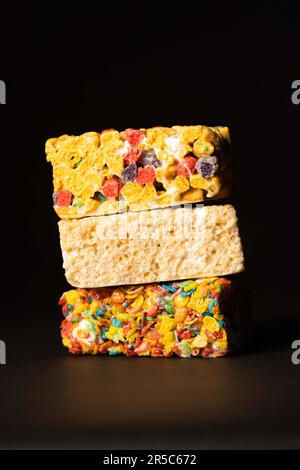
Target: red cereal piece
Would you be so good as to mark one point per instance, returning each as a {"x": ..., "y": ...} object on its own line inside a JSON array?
[
  {"x": 65, "y": 308},
  {"x": 153, "y": 335},
  {"x": 132, "y": 156},
  {"x": 181, "y": 170},
  {"x": 207, "y": 351},
  {"x": 134, "y": 136},
  {"x": 111, "y": 187},
  {"x": 157, "y": 351},
  {"x": 64, "y": 198},
  {"x": 186, "y": 334},
  {"x": 186, "y": 167},
  {"x": 146, "y": 327},
  {"x": 62, "y": 300},
  {"x": 152, "y": 311},
  {"x": 190, "y": 162},
  {"x": 76, "y": 347},
  {"x": 146, "y": 175}
]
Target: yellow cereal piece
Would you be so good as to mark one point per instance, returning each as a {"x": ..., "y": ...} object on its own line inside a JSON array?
[
  {"x": 122, "y": 317},
  {"x": 166, "y": 325},
  {"x": 159, "y": 175},
  {"x": 200, "y": 305},
  {"x": 106, "y": 173},
  {"x": 131, "y": 191},
  {"x": 181, "y": 301},
  {"x": 188, "y": 133},
  {"x": 165, "y": 200},
  {"x": 148, "y": 302},
  {"x": 67, "y": 342},
  {"x": 72, "y": 296},
  {"x": 210, "y": 324},
  {"x": 138, "y": 302},
  {"x": 202, "y": 148},
  {"x": 224, "y": 333},
  {"x": 91, "y": 205},
  {"x": 170, "y": 171},
  {"x": 200, "y": 341},
  {"x": 168, "y": 341},
  {"x": 165, "y": 157},
  {"x": 115, "y": 334},
  {"x": 218, "y": 316},
  {"x": 209, "y": 134},
  {"x": 225, "y": 133},
  {"x": 81, "y": 308},
  {"x": 180, "y": 314},
  {"x": 66, "y": 212},
  {"x": 115, "y": 163},
  {"x": 109, "y": 135},
  {"x": 213, "y": 186},
  {"x": 193, "y": 195},
  {"x": 156, "y": 135},
  {"x": 108, "y": 207},
  {"x": 131, "y": 336},
  {"x": 117, "y": 308},
  {"x": 132, "y": 296},
  {"x": 190, "y": 286},
  {"x": 94, "y": 306},
  {"x": 222, "y": 344},
  {"x": 146, "y": 197},
  {"x": 196, "y": 181},
  {"x": 149, "y": 192},
  {"x": 181, "y": 183}
]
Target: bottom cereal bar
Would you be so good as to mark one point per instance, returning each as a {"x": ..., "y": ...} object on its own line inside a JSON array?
[{"x": 206, "y": 317}]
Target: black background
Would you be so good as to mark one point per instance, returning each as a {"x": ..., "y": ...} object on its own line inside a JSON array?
[{"x": 79, "y": 68}]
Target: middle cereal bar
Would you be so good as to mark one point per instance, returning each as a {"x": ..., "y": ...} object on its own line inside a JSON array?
[{"x": 151, "y": 246}]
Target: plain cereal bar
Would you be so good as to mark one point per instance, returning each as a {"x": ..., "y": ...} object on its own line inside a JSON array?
[{"x": 151, "y": 246}]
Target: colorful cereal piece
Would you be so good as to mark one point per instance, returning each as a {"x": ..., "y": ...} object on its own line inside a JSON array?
[
  {"x": 111, "y": 187},
  {"x": 146, "y": 175},
  {"x": 63, "y": 198},
  {"x": 133, "y": 136}
]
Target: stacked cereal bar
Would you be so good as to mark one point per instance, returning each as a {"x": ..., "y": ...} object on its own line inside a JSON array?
[
  {"x": 190, "y": 318},
  {"x": 146, "y": 274},
  {"x": 151, "y": 246},
  {"x": 96, "y": 174}
]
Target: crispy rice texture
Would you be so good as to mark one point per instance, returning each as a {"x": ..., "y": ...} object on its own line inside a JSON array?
[{"x": 151, "y": 246}]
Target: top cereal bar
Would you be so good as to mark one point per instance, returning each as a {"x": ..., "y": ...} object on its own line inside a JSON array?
[{"x": 137, "y": 169}]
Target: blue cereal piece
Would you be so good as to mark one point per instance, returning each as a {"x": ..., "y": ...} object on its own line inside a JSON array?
[
  {"x": 185, "y": 294},
  {"x": 212, "y": 304},
  {"x": 100, "y": 312},
  {"x": 125, "y": 304},
  {"x": 116, "y": 322},
  {"x": 169, "y": 288},
  {"x": 103, "y": 333},
  {"x": 113, "y": 353}
]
